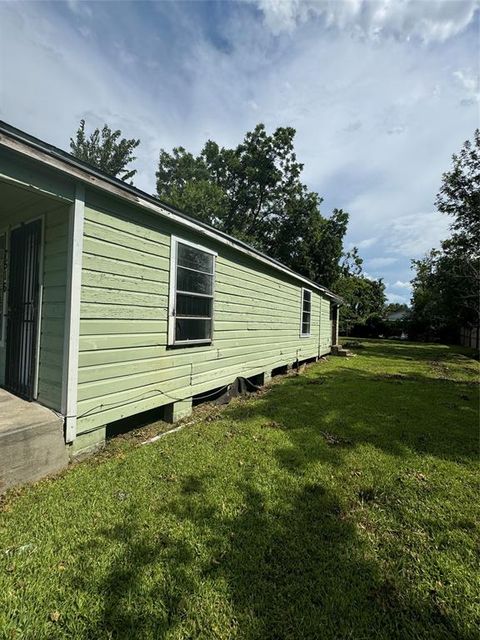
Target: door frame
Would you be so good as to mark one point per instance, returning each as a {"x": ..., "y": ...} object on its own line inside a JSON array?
[
  {"x": 38, "y": 328},
  {"x": 3, "y": 309}
]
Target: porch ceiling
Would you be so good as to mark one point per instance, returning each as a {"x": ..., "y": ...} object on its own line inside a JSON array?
[{"x": 15, "y": 198}]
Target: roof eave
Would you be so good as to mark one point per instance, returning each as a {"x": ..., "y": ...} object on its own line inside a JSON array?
[{"x": 21, "y": 142}]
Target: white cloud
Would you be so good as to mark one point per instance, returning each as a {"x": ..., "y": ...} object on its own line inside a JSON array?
[
  {"x": 467, "y": 79},
  {"x": 79, "y": 7},
  {"x": 395, "y": 297},
  {"x": 401, "y": 285},
  {"x": 427, "y": 20},
  {"x": 377, "y": 118},
  {"x": 377, "y": 263},
  {"x": 415, "y": 234},
  {"x": 364, "y": 244}
]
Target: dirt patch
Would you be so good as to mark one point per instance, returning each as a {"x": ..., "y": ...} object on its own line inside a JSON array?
[{"x": 333, "y": 440}]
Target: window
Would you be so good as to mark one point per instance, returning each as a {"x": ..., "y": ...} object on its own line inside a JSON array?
[
  {"x": 3, "y": 284},
  {"x": 306, "y": 312},
  {"x": 192, "y": 273}
]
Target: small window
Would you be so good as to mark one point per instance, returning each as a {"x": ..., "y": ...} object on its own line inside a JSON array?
[
  {"x": 192, "y": 272},
  {"x": 3, "y": 284},
  {"x": 306, "y": 312}
]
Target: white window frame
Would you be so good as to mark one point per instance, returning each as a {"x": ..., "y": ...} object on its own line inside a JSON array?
[
  {"x": 175, "y": 241},
  {"x": 302, "y": 301},
  {"x": 3, "y": 306}
]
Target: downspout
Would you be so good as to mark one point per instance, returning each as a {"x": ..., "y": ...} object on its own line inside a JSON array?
[{"x": 72, "y": 314}]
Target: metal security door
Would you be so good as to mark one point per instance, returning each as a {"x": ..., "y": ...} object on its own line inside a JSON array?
[{"x": 22, "y": 315}]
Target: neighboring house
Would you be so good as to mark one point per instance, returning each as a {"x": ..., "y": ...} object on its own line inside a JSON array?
[
  {"x": 115, "y": 304},
  {"x": 397, "y": 316}
]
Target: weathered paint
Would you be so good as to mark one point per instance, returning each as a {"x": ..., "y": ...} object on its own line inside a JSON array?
[
  {"x": 125, "y": 365},
  {"x": 22, "y": 205}
]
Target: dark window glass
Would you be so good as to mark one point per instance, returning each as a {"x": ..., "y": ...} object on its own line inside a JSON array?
[
  {"x": 3, "y": 277},
  {"x": 188, "y": 329},
  {"x": 194, "y": 258},
  {"x": 194, "y": 294},
  {"x": 306, "y": 311},
  {"x": 193, "y": 306},
  {"x": 194, "y": 281}
]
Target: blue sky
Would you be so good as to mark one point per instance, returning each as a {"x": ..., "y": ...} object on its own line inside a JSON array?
[{"x": 381, "y": 94}]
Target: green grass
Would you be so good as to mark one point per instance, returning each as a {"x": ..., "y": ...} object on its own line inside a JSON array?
[{"x": 342, "y": 503}]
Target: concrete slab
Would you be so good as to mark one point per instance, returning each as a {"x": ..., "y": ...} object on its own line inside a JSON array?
[{"x": 31, "y": 441}]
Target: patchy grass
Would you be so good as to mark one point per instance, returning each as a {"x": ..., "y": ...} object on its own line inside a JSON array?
[{"x": 342, "y": 503}]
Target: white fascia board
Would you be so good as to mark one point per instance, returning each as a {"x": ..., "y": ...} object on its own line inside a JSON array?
[{"x": 72, "y": 314}]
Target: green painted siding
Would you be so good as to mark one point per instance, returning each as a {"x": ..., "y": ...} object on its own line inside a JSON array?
[
  {"x": 325, "y": 327},
  {"x": 53, "y": 309},
  {"x": 19, "y": 205},
  {"x": 125, "y": 365}
]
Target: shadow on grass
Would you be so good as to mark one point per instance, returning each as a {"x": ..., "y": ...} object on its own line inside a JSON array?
[
  {"x": 399, "y": 415},
  {"x": 290, "y": 573},
  {"x": 402, "y": 350},
  {"x": 293, "y": 568}
]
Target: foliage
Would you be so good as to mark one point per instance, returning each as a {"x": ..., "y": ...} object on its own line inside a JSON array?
[
  {"x": 364, "y": 298},
  {"x": 364, "y": 302},
  {"x": 459, "y": 196},
  {"x": 106, "y": 150},
  {"x": 394, "y": 307},
  {"x": 342, "y": 503},
  {"x": 447, "y": 281},
  {"x": 254, "y": 193}
]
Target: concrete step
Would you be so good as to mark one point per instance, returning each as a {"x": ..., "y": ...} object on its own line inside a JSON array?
[
  {"x": 338, "y": 350},
  {"x": 32, "y": 445}
]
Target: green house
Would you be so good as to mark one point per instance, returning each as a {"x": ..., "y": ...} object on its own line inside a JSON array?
[{"x": 113, "y": 303}]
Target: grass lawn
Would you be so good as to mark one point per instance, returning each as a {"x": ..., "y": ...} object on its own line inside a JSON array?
[{"x": 342, "y": 503}]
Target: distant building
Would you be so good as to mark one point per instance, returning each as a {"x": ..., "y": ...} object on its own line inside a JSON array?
[{"x": 397, "y": 316}]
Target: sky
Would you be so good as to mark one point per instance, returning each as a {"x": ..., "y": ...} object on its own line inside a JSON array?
[{"x": 381, "y": 94}]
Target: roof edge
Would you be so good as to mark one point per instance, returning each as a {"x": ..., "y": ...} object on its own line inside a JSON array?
[{"x": 98, "y": 179}]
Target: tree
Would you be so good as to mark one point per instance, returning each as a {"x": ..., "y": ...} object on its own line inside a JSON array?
[
  {"x": 106, "y": 150},
  {"x": 254, "y": 193},
  {"x": 447, "y": 282},
  {"x": 364, "y": 298},
  {"x": 394, "y": 307},
  {"x": 459, "y": 197},
  {"x": 364, "y": 304}
]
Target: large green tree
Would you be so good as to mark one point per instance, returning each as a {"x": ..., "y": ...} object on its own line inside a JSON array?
[
  {"x": 364, "y": 298},
  {"x": 446, "y": 286},
  {"x": 106, "y": 150},
  {"x": 254, "y": 192}
]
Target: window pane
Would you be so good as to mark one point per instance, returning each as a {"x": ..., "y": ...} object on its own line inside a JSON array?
[
  {"x": 194, "y": 281},
  {"x": 194, "y": 258},
  {"x": 305, "y": 327},
  {"x": 307, "y": 305},
  {"x": 193, "y": 306},
  {"x": 307, "y": 295},
  {"x": 187, "y": 329},
  {"x": 306, "y": 317}
]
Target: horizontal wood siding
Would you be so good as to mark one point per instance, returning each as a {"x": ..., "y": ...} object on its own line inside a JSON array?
[
  {"x": 55, "y": 258},
  {"x": 325, "y": 327},
  {"x": 125, "y": 365}
]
